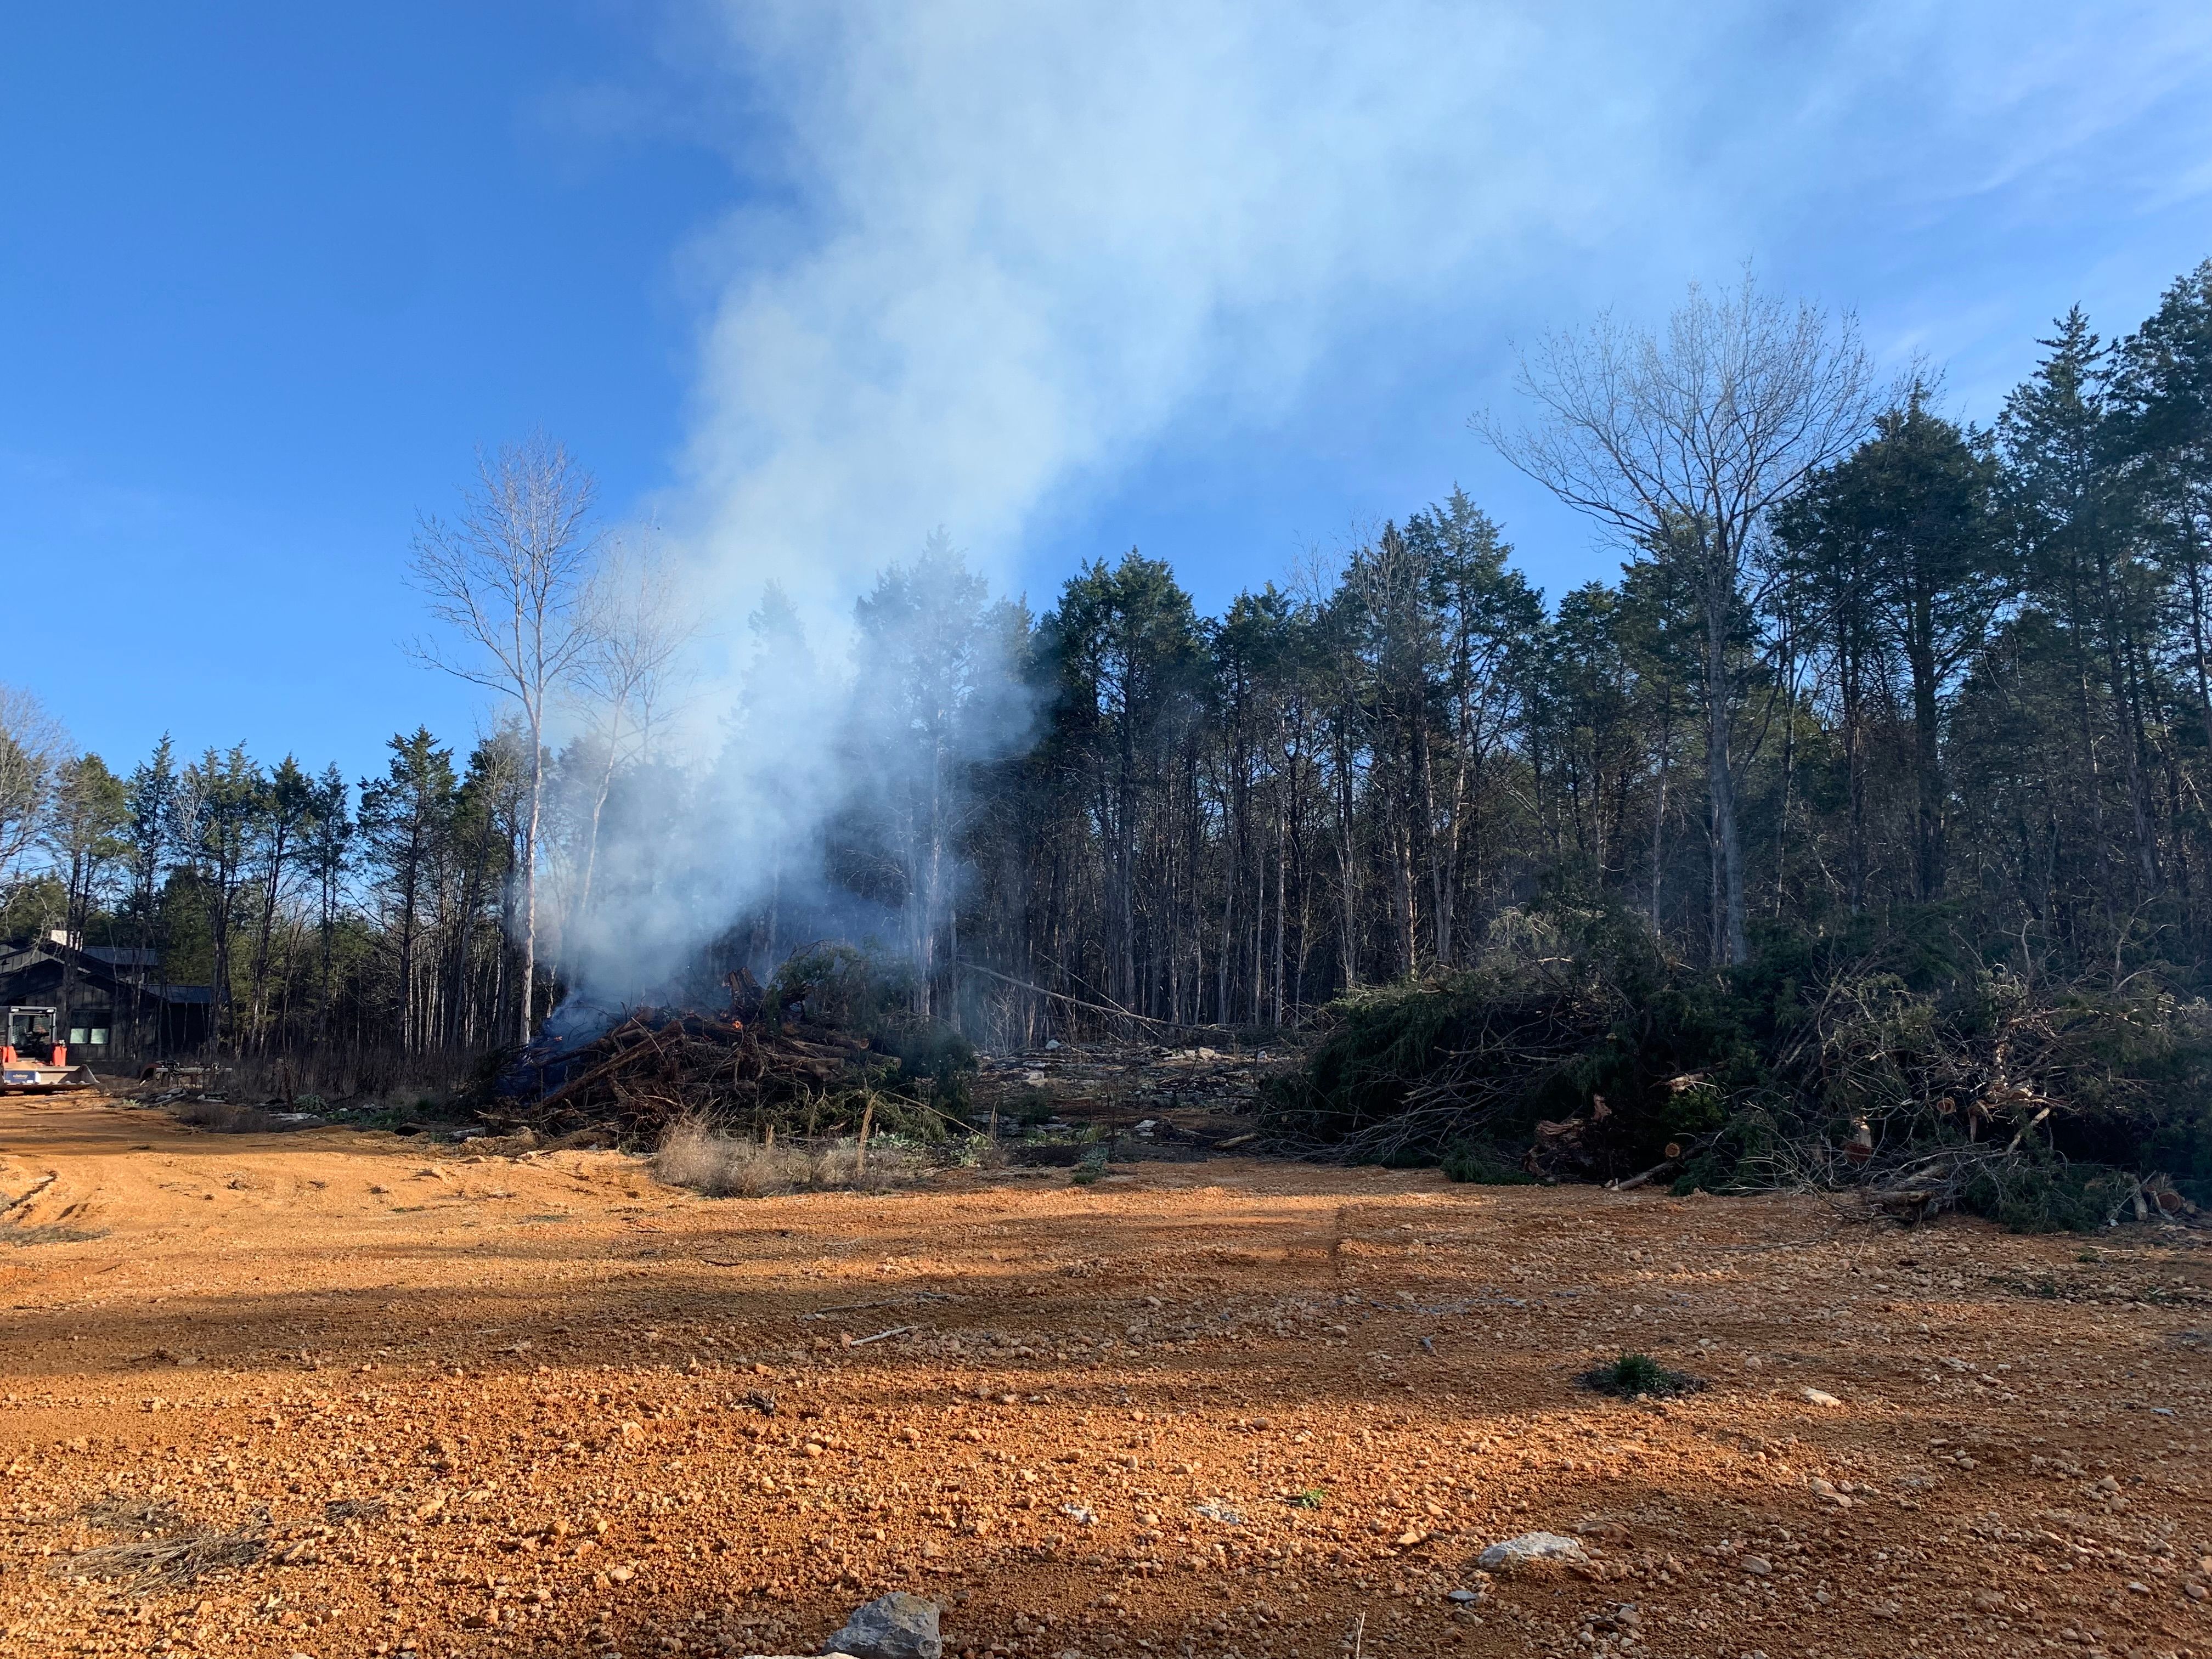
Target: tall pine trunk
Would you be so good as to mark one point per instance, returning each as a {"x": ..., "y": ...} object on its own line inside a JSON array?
[{"x": 1720, "y": 771}]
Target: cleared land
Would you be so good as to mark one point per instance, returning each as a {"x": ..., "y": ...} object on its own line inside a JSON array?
[{"x": 382, "y": 1396}]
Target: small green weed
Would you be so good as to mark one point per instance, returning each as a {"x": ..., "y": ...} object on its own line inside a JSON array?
[
  {"x": 1635, "y": 1374},
  {"x": 1311, "y": 1498},
  {"x": 1090, "y": 1167}
]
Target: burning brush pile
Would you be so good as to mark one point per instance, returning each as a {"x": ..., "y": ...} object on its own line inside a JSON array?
[{"x": 825, "y": 1044}]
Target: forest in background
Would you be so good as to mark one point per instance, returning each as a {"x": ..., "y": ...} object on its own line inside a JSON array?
[{"x": 1869, "y": 673}]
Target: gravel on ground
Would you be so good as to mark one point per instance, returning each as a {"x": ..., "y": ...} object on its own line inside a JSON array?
[{"x": 338, "y": 1393}]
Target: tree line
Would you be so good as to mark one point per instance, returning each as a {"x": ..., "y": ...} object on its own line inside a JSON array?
[{"x": 1862, "y": 657}]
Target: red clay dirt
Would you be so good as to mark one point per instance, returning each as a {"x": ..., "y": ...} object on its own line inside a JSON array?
[{"x": 453, "y": 1404}]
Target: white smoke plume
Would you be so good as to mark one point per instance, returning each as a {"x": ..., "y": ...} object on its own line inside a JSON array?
[
  {"x": 1007, "y": 247},
  {"x": 1033, "y": 234},
  {"x": 1025, "y": 239}
]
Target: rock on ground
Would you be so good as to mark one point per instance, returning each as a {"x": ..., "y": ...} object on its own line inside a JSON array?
[
  {"x": 894, "y": 1626},
  {"x": 1529, "y": 1547}
]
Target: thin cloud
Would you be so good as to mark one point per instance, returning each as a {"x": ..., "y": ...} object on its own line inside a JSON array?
[{"x": 993, "y": 251}]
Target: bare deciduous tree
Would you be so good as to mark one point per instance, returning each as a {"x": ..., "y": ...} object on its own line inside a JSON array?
[
  {"x": 510, "y": 576},
  {"x": 34, "y": 747},
  {"x": 1681, "y": 441}
]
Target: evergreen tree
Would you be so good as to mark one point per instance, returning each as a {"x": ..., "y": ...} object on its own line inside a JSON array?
[
  {"x": 405, "y": 822},
  {"x": 1901, "y": 543},
  {"x": 1125, "y": 640}
]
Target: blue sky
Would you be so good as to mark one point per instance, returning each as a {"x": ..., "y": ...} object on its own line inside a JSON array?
[{"x": 800, "y": 282}]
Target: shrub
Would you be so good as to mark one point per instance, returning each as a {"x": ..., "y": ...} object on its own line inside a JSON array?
[
  {"x": 929, "y": 1052},
  {"x": 871, "y": 997},
  {"x": 1863, "y": 1053},
  {"x": 839, "y": 986},
  {"x": 1485, "y": 1166},
  {"x": 1637, "y": 1374},
  {"x": 2043, "y": 1196}
]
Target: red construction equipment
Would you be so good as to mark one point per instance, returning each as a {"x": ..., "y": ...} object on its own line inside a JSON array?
[{"x": 29, "y": 1030}]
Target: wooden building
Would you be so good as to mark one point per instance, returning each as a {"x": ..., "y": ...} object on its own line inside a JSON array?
[{"x": 109, "y": 1004}]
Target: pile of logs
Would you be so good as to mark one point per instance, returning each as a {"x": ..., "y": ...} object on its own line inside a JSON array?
[
  {"x": 1100, "y": 1078},
  {"x": 655, "y": 1066}
]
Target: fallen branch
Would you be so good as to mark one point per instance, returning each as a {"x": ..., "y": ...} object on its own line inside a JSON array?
[
  {"x": 895, "y": 1330},
  {"x": 1115, "y": 1010},
  {"x": 656, "y": 1066},
  {"x": 1636, "y": 1180},
  {"x": 169, "y": 1563},
  {"x": 606, "y": 1069},
  {"x": 890, "y": 1302}
]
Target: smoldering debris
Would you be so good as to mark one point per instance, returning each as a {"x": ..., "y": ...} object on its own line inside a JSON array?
[
  {"x": 662, "y": 1065},
  {"x": 829, "y": 1043}
]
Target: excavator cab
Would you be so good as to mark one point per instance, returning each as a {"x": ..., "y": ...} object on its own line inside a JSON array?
[
  {"x": 31, "y": 1061},
  {"x": 31, "y": 1035}
]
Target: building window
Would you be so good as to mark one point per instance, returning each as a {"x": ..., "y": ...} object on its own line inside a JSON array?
[
  {"x": 78, "y": 1038},
  {"x": 99, "y": 1037}
]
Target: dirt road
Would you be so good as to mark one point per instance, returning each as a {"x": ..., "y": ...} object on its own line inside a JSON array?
[{"x": 401, "y": 1400}]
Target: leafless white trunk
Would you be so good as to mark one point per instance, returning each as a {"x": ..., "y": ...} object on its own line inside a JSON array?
[
  {"x": 33, "y": 749},
  {"x": 509, "y": 576},
  {"x": 1680, "y": 441}
]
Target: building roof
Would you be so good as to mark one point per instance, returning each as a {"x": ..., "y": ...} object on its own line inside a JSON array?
[
  {"x": 22, "y": 954},
  {"x": 124, "y": 956}
]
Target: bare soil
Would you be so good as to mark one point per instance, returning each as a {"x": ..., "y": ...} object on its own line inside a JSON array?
[{"x": 336, "y": 1393}]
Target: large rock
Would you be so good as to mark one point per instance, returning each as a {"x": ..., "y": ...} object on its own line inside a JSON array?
[
  {"x": 894, "y": 1626},
  {"x": 1530, "y": 1549}
]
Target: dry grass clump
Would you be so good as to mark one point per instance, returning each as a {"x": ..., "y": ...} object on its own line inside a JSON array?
[
  {"x": 168, "y": 1554},
  {"x": 693, "y": 1153}
]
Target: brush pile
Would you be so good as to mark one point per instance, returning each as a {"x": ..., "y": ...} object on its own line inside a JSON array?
[
  {"x": 658, "y": 1066},
  {"x": 829, "y": 1042},
  {"x": 1889, "y": 1057}
]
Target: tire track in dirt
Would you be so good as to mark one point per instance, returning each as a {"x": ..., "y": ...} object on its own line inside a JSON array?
[{"x": 522, "y": 1407}]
